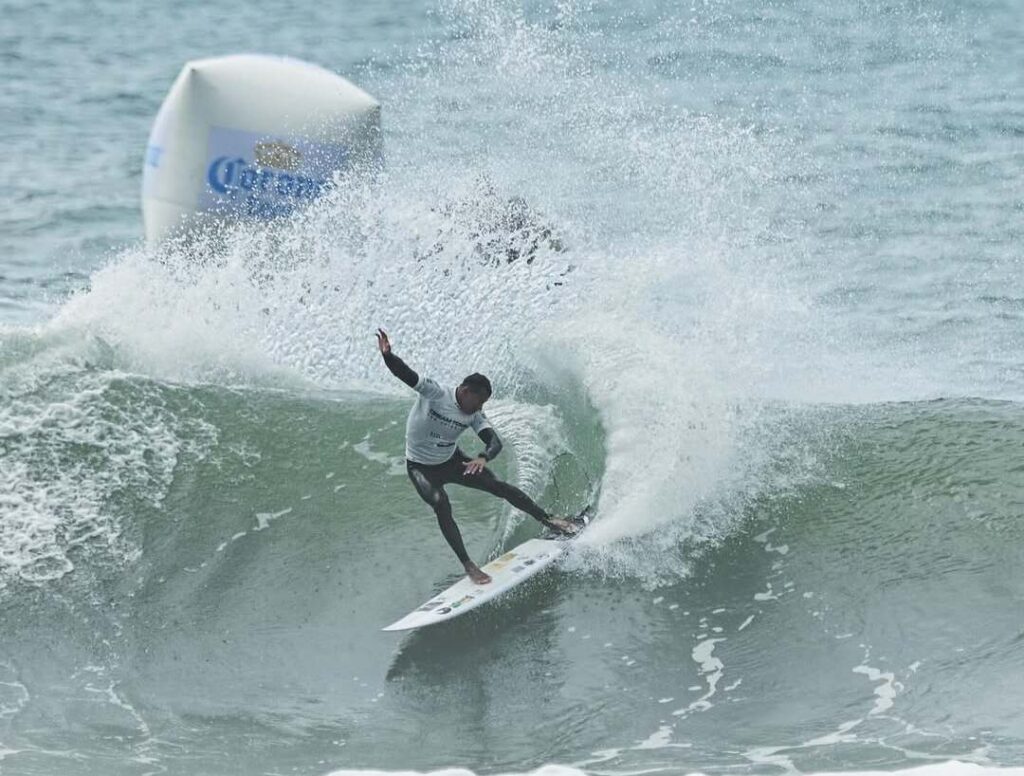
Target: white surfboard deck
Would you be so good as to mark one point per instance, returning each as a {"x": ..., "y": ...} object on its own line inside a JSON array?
[{"x": 506, "y": 571}]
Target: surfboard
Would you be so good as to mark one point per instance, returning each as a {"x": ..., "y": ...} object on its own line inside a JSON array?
[{"x": 506, "y": 571}]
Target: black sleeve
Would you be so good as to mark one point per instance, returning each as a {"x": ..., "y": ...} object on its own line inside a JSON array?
[
  {"x": 492, "y": 441},
  {"x": 401, "y": 370}
]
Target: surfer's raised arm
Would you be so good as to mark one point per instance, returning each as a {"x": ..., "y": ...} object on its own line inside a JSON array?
[{"x": 398, "y": 367}]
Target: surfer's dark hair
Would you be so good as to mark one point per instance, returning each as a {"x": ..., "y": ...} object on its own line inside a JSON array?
[{"x": 478, "y": 384}]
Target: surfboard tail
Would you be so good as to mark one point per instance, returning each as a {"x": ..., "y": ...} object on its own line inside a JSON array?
[{"x": 581, "y": 519}]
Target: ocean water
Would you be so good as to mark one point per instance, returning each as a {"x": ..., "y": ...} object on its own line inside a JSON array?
[{"x": 774, "y": 335}]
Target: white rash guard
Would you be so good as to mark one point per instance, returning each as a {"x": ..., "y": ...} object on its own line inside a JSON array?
[{"x": 435, "y": 421}]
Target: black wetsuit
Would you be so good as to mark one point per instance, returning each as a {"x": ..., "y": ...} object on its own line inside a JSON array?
[{"x": 430, "y": 479}]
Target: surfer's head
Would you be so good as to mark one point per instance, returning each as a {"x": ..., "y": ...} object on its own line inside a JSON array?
[{"x": 473, "y": 392}]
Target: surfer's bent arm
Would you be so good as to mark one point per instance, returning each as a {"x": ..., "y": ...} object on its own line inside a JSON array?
[
  {"x": 493, "y": 442},
  {"x": 400, "y": 369},
  {"x": 482, "y": 426}
]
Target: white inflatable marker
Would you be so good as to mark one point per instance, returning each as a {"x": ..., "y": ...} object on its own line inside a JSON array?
[
  {"x": 506, "y": 571},
  {"x": 252, "y": 136}
]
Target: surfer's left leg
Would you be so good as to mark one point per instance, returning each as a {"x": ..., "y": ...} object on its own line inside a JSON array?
[{"x": 487, "y": 481}]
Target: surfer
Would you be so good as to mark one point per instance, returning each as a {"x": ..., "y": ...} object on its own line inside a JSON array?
[{"x": 432, "y": 459}]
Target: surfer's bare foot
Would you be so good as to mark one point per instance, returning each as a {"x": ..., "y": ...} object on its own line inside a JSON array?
[
  {"x": 564, "y": 526},
  {"x": 474, "y": 572}
]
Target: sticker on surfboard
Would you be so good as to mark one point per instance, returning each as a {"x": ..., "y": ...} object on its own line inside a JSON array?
[{"x": 506, "y": 571}]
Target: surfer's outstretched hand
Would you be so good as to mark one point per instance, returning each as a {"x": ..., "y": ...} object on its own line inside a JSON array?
[{"x": 383, "y": 342}]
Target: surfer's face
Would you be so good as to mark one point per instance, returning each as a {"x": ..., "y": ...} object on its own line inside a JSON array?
[{"x": 470, "y": 401}]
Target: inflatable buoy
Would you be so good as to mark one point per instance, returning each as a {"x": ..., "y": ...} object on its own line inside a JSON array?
[{"x": 252, "y": 136}]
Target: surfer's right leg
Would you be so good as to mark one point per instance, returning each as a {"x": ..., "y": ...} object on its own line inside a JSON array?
[{"x": 432, "y": 491}]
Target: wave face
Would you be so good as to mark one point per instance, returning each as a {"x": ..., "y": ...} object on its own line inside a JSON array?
[{"x": 745, "y": 279}]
